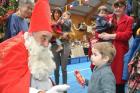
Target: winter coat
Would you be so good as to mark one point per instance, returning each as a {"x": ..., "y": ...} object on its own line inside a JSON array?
[{"x": 123, "y": 34}]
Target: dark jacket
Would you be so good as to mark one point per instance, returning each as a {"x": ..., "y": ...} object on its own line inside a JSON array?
[
  {"x": 66, "y": 26},
  {"x": 102, "y": 24},
  {"x": 14, "y": 25}
]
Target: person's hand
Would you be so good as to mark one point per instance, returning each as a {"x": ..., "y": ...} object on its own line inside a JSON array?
[
  {"x": 65, "y": 35},
  {"x": 105, "y": 36},
  {"x": 62, "y": 21},
  {"x": 59, "y": 88},
  {"x": 41, "y": 91},
  {"x": 34, "y": 90},
  {"x": 138, "y": 32}
]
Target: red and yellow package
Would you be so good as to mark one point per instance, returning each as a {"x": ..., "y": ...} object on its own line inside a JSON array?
[{"x": 79, "y": 78}]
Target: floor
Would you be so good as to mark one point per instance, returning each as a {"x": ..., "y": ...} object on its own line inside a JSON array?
[{"x": 85, "y": 72}]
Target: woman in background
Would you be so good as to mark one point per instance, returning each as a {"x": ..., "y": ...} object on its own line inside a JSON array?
[{"x": 120, "y": 38}]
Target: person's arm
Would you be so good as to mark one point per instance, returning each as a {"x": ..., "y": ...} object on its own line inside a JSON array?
[
  {"x": 11, "y": 27},
  {"x": 55, "y": 89},
  {"x": 67, "y": 23},
  {"x": 122, "y": 36},
  {"x": 125, "y": 35},
  {"x": 102, "y": 25},
  {"x": 58, "y": 89},
  {"x": 106, "y": 36},
  {"x": 108, "y": 84},
  {"x": 86, "y": 82}
]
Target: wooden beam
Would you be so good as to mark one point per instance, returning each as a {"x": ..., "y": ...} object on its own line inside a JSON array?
[
  {"x": 53, "y": 5},
  {"x": 69, "y": 1},
  {"x": 94, "y": 9},
  {"x": 80, "y": 11}
]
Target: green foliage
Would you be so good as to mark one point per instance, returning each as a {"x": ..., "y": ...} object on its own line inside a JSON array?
[
  {"x": 12, "y": 5},
  {"x": 2, "y": 11},
  {"x": 4, "y": 8}
]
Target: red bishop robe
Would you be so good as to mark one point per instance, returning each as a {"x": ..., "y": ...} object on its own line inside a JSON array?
[{"x": 14, "y": 71}]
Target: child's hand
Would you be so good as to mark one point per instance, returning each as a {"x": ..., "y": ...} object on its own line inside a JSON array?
[
  {"x": 138, "y": 32},
  {"x": 79, "y": 78},
  {"x": 65, "y": 35},
  {"x": 62, "y": 21}
]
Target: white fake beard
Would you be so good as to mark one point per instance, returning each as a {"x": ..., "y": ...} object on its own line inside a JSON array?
[{"x": 41, "y": 62}]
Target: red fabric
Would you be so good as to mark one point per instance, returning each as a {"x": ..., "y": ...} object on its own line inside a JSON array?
[
  {"x": 91, "y": 43},
  {"x": 123, "y": 34},
  {"x": 79, "y": 78},
  {"x": 41, "y": 17},
  {"x": 57, "y": 28},
  {"x": 14, "y": 72}
]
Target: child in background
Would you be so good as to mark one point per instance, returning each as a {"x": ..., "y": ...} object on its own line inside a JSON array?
[
  {"x": 65, "y": 23},
  {"x": 102, "y": 23},
  {"x": 102, "y": 79}
]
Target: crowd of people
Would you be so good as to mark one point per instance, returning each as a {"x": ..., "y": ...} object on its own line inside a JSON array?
[{"x": 31, "y": 51}]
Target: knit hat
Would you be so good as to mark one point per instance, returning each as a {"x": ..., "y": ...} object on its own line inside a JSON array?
[{"x": 41, "y": 17}]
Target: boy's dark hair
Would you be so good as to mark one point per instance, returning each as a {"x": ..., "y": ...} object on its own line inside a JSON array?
[
  {"x": 102, "y": 8},
  {"x": 106, "y": 49},
  {"x": 57, "y": 9}
]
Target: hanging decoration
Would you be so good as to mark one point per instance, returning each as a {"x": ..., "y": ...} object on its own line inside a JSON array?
[
  {"x": 75, "y": 3},
  {"x": 66, "y": 8},
  {"x": 80, "y": 2}
]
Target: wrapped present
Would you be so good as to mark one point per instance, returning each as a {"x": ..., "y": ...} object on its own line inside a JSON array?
[
  {"x": 79, "y": 78},
  {"x": 77, "y": 51}
]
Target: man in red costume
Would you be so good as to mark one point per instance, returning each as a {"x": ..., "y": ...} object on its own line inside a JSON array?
[{"x": 28, "y": 54}]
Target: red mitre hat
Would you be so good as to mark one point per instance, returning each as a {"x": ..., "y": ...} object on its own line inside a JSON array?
[{"x": 41, "y": 17}]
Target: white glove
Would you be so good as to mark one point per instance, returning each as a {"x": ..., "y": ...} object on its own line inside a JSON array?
[
  {"x": 33, "y": 90},
  {"x": 58, "y": 89}
]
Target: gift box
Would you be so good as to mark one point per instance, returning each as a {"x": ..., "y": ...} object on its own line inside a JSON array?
[{"x": 77, "y": 51}]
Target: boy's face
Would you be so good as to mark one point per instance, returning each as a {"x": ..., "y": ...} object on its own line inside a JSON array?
[
  {"x": 65, "y": 16},
  {"x": 26, "y": 10},
  {"x": 97, "y": 58},
  {"x": 102, "y": 13}
]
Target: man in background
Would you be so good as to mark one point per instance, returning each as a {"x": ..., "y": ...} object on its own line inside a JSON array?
[
  {"x": 28, "y": 54},
  {"x": 17, "y": 21}
]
